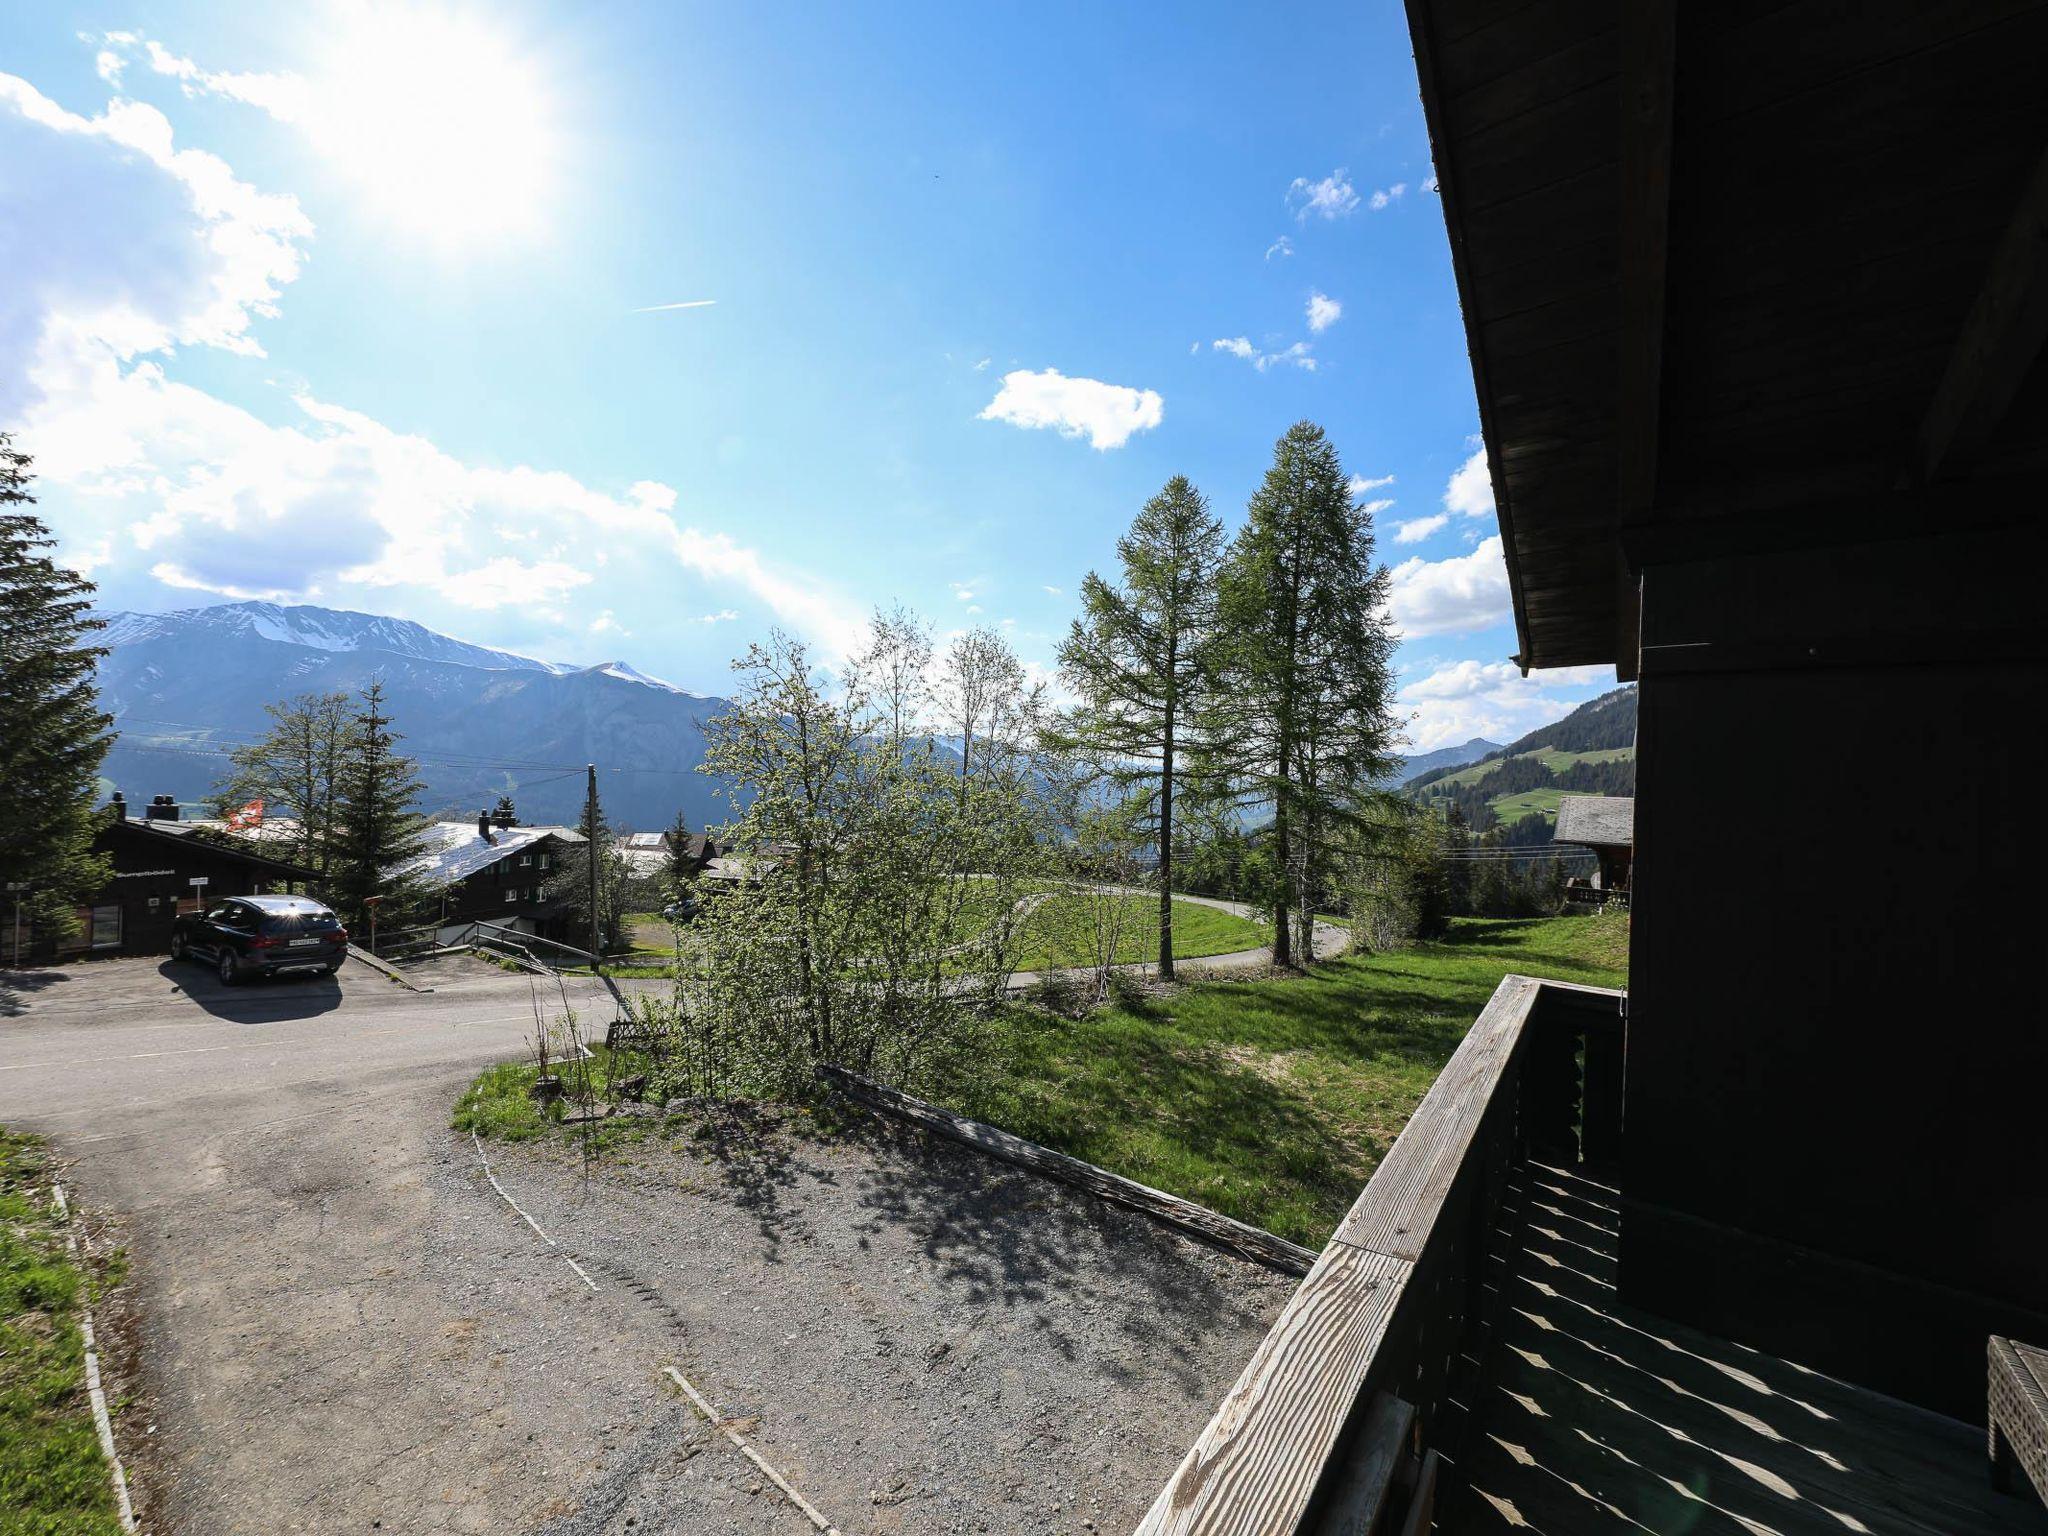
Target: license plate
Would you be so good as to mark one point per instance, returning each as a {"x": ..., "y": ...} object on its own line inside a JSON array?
[{"x": 301, "y": 943}]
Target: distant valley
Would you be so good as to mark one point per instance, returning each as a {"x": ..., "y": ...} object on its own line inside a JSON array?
[{"x": 1590, "y": 751}]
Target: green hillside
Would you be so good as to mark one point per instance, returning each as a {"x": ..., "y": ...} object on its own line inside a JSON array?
[{"x": 1591, "y": 751}]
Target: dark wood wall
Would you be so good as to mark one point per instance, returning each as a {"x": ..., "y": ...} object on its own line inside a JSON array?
[{"x": 1838, "y": 1047}]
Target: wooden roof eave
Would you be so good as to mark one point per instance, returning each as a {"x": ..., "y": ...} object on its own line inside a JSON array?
[{"x": 1420, "y": 31}]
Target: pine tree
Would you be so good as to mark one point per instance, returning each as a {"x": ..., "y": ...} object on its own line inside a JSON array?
[
  {"x": 679, "y": 871},
  {"x": 1139, "y": 656},
  {"x": 377, "y": 828},
  {"x": 1301, "y": 720},
  {"x": 295, "y": 770},
  {"x": 53, "y": 735},
  {"x": 505, "y": 813}
]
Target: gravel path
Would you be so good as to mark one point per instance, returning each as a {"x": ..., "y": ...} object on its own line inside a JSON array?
[
  {"x": 336, "y": 1324},
  {"x": 920, "y": 1340}
]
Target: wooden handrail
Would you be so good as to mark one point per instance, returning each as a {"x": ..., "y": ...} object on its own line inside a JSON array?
[{"x": 1388, "y": 1305}]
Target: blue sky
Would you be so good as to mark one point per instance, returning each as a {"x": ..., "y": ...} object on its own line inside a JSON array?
[{"x": 360, "y": 307}]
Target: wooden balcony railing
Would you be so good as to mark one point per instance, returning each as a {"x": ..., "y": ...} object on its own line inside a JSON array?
[{"x": 1336, "y": 1424}]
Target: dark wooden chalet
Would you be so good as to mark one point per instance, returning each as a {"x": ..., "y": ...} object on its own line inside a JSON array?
[
  {"x": 488, "y": 871},
  {"x": 1755, "y": 294},
  {"x": 157, "y": 859},
  {"x": 1606, "y": 825}
]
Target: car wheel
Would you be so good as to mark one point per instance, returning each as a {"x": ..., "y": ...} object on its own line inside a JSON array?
[
  {"x": 230, "y": 972},
  {"x": 178, "y": 949},
  {"x": 334, "y": 969}
]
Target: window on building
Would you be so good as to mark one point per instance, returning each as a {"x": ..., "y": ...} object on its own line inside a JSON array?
[
  {"x": 511, "y": 893},
  {"x": 525, "y": 859},
  {"x": 106, "y": 928},
  {"x": 541, "y": 861}
]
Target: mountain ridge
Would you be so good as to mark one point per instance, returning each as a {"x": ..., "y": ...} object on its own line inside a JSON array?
[{"x": 186, "y": 687}]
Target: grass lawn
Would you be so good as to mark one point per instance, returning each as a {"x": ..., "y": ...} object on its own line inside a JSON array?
[
  {"x": 53, "y": 1479},
  {"x": 1197, "y": 930},
  {"x": 1515, "y": 807},
  {"x": 1272, "y": 1101}
]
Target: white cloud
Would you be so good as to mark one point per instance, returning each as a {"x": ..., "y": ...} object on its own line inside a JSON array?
[
  {"x": 1470, "y": 491},
  {"x": 982, "y": 366},
  {"x": 962, "y": 592},
  {"x": 1429, "y": 184},
  {"x": 1360, "y": 484},
  {"x": 1052, "y": 591},
  {"x": 1454, "y": 596},
  {"x": 1464, "y": 699},
  {"x": 1375, "y": 508},
  {"x": 1416, "y": 529},
  {"x": 1282, "y": 247},
  {"x": 142, "y": 247},
  {"x": 138, "y": 245},
  {"x": 1387, "y": 195},
  {"x": 506, "y": 580},
  {"x": 1106, "y": 414},
  {"x": 1330, "y": 198},
  {"x": 723, "y": 616},
  {"x": 1323, "y": 311},
  {"x": 655, "y": 309},
  {"x": 606, "y": 624},
  {"x": 1299, "y": 355}
]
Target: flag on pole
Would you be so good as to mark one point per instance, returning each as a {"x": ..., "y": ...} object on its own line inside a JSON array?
[{"x": 250, "y": 815}]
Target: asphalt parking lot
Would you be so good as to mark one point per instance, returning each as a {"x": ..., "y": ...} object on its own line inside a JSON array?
[{"x": 336, "y": 1323}]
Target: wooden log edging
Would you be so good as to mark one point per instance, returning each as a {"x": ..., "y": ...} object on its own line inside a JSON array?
[{"x": 1211, "y": 1226}]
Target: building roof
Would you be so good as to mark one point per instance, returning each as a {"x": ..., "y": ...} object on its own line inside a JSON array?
[
  {"x": 1596, "y": 821},
  {"x": 173, "y": 833},
  {"x": 654, "y": 842},
  {"x": 456, "y": 850},
  {"x": 1770, "y": 302}
]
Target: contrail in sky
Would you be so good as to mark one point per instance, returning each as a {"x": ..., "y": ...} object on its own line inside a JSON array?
[{"x": 686, "y": 304}]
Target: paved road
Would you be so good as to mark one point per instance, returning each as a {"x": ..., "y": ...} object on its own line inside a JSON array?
[{"x": 340, "y": 1326}]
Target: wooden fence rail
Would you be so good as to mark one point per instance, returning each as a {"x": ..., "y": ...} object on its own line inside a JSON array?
[{"x": 1402, "y": 1301}]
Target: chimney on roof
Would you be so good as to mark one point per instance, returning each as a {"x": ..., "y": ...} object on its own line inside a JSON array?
[
  {"x": 161, "y": 808},
  {"x": 119, "y": 806},
  {"x": 483, "y": 826}
]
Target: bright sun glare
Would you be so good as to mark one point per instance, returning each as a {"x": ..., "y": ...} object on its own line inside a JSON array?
[{"x": 448, "y": 129}]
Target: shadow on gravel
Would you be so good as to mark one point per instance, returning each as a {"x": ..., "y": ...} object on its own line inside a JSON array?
[
  {"x": 1005, "y": 1237},
  {"x": 297, "y": 995},
  {"x": 752, "y": 1152},
  {"x": 17, "y": 987}
]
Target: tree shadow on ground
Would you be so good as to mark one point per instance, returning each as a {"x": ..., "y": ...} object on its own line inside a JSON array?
[
  {"x": 19, "y": 988},
  {"x": 1002, "y": 1237}
]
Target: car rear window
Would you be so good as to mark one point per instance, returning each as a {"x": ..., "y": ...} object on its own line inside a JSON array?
[{"x": 301, "y": 922}]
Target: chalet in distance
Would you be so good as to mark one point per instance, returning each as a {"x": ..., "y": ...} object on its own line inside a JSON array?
[
  {"x": 163, "y": 865},
  {"x": 1606, "y": 825},
  {"x": 490, "y": 870},
  {"x": 1755, "y": 297}
]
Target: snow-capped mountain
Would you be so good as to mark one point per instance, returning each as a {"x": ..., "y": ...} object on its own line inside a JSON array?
[{"x": 186, "y": 687}]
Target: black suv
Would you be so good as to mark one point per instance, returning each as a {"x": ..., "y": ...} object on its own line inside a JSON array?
[{"x": 262, "y": 935}]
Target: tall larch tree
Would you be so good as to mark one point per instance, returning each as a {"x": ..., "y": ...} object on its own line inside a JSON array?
[
  {"x": 53, "y": 734},
  {"x": 1301, "y": 721},
  {"x": 294, "y": 768},
  {"x": 1138, "y": 657}
]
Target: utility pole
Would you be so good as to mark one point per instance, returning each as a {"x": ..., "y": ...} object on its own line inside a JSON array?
[{"x": 590, "y": 834}]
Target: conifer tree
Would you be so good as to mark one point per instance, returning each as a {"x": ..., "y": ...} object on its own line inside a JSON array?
[
  {"x": 1138, "y": 657},
  {"x": 1301, "y": 722},
  {"x": 378, "y": 829},
  {"x": 611, "y": 877},
  {"x": 53, "y": 734},
  {"x": 677, "y": 870}
]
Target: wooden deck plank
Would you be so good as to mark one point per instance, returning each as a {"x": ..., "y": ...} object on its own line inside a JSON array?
[
  {"x": 1256, "y": 1466},
  {"x": 1602, "y": 1417},
  {"x": 1416, "y": 1175}
]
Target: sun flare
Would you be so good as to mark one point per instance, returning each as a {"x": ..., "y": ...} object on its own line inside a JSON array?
[{"x": 448, "y": 129}]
